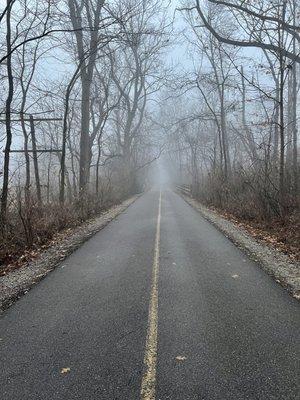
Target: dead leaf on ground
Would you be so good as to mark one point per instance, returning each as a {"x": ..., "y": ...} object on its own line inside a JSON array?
[
  {"x": 65, "y": 370},
  {"x": 181, "y": 358}
]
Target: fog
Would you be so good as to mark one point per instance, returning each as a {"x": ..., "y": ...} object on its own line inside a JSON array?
[
  {"x": 106, "y": 99},
  {"x": 159, "y": 175},
  {"x": 141, "y": 135}
]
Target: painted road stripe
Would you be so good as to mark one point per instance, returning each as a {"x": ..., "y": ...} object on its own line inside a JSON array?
[{"x": 150, "y": 358}]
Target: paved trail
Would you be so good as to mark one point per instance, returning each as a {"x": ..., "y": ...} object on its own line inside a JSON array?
[{"x": 158, "y": 305}]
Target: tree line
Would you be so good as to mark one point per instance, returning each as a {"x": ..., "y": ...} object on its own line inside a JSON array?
[
  {"x": 235, "y": 137},
  {"x": 89, "y": 99},
  {"x": 78, "y": 78}
]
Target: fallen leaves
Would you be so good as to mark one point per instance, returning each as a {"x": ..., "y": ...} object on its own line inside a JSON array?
[
  {"x": 280, "y": 234},
  {"x": 181, "y": 358},
  {"x": 65, "y": 370}
]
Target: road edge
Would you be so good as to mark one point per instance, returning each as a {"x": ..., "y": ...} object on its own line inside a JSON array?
[
  {"x": 18, "y": 282},
  {"x": 275, "y": 263}
]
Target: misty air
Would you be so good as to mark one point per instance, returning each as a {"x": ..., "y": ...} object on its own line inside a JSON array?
[{"x": 149, "y": 199}]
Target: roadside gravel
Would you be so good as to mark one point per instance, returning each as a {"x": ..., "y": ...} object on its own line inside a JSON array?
[
  {"x": 18, "y": 282},
  {"x": 275, "y": 263}
]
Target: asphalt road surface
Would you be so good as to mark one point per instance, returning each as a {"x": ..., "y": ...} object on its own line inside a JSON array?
[{"x": 158, "y": 305}]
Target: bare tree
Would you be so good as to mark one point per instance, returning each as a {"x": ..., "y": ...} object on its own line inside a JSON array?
[{"x": 263, "y": 15}]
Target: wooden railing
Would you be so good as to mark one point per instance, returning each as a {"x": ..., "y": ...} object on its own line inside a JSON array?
[{"x": 185, "y": 189}]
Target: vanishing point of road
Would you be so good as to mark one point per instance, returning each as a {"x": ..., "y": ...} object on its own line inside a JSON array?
[{"x": 158, "y": 305}]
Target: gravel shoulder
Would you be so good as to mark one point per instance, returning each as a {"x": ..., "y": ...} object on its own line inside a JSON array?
[
  {"x": 18, "y": 282},
  {"x": 275, "y": 263}
]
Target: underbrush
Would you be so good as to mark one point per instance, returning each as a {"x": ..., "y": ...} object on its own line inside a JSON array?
[
  {"x": 254, "y": 203},
  {"x": 32, "y": 228},
  {"x": 281, "y": 233}
]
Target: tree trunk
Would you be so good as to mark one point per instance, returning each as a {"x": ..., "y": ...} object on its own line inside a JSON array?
[
  {"x": 35, "y": 161},
  {"x": 8, "y": 104},
  {"x": 63, "y": 151},
  {"x": 98, "y": 167},
  {"x": 227, "y": 167},
  {"x": 249, "y": 135},
  {"x": 64, "y": 136},
  {"x": 27, "y": 161},
  {"x": 84, "y": 166},
  {"x": 281, "y": 116},
  {"x": 295, "y": 133},
  {"x": 281, "y": 134},
  {"x": 294, "y": 114},
  {"x": 276, "y": 124}
]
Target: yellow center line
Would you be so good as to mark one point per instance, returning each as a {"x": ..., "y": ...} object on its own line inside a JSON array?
[{"x": 150, "y": 358}]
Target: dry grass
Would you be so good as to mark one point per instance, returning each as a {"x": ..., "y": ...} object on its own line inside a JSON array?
[
  {"x": 282, "y": 234},
  {"x": 252, "y": 202},
  {"x": 33, "y": 229}
]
